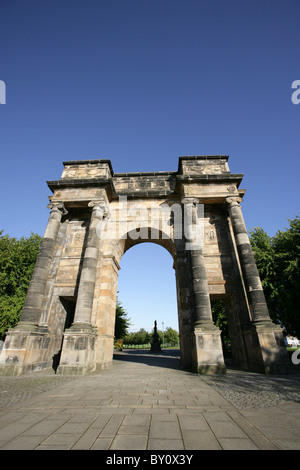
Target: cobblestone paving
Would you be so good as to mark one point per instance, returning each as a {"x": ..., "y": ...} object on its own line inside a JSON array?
[
  {"x": 146, "y": 402},
  {"x": 17, "y": 389},
  {"x": 246, "y": 390}
]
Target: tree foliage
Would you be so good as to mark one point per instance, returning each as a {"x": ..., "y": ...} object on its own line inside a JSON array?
[
  {"x": 170, "y": 336},
  {"x": 220, "y": 319},
  {"x": 122, "y": 322},
  {"x": 17, "y": 260},
  {"x": 278, "y": 263},
  {"x": 139, "y": 337}
]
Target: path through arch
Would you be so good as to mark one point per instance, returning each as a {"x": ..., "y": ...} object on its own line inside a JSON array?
[{"x": 147, "y": 288}]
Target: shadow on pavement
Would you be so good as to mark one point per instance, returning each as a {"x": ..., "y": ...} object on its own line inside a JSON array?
[{"x": 169, "y": 358}]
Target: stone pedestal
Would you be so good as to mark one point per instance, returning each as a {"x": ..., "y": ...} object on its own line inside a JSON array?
[
  {"x": 104, "y": 352},
  {"x": 155, "y": 346},
  {"x": 207, "y": 350},
  {"x": 266, "y": 350},
  {"x": 25, "y": 349},
  {"x": 79, "y": 350}
]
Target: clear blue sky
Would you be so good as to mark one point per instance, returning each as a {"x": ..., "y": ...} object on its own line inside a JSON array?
[{"x": 141, "y": 82}]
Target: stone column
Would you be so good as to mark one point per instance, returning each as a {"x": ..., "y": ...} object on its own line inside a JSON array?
[
  {"x": 33, "y": 304},
  {"x": 263, "y": 339},
  {"x": 202, "y": 306},
  {"x": 85, "y": 297},
  {"x": 255, "y": 294},
  {"x": 208, "y": 353},
  {"x": 184, "y": 302},
  {"x": 79, "y": 350},
  {"x": 26, "y": 345}
]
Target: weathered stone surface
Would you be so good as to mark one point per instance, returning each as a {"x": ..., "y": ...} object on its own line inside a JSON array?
[{"x": 96, "y": 216}]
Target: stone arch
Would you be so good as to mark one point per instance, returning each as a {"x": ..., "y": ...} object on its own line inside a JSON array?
[
  {"x": 108, "y": 271},
  {"x": 153, "y": 236},
  {"x": 76, "y": 261}
]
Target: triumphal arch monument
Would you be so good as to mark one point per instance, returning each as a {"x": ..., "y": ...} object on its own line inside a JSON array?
[{"x": 96, "y": 215}]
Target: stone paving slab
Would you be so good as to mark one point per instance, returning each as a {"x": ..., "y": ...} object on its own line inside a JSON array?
[{"x": 146, "y": 402}]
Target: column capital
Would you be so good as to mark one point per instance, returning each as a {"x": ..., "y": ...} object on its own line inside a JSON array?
[
  {"x": 234, "y": 200},
  {"x": 99, "y": 208},
  {"x": 57, "y": 207},
  {"x": 190, "y": 200}
]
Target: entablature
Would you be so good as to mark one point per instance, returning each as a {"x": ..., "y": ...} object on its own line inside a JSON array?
[{"x": 205, "y": 176}]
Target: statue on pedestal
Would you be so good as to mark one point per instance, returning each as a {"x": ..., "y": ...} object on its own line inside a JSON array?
[{"x": 155, "y": 346}]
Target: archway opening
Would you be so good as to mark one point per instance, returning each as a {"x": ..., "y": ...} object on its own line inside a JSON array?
[
  {"x": 147, "y": 292},
  {"x": 219, "y": 313},
  {"x": 66, "y": 307}
]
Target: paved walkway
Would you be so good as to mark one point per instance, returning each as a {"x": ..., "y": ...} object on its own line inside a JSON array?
[{"x": 145, "y": 402}]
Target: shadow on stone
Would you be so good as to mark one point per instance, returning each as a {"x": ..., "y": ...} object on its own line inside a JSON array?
[{"x": 168, "y": 358}]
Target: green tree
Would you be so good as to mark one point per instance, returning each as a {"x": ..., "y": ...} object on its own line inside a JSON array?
[
  {"x": 129, "y": 338},
  {"x": 220, "y": 319},
  {"x": 287, "y": 265},
  {"x": 17, "y": 260},
  {"x": 122, "y": 322},
  {"x": 138, "y": 337},
  {"x": 265, "y": 258},
  {"x": 142, "y": 336},
  {"x": 171, "y": 336},
  {"x": 277, "y": 259}
]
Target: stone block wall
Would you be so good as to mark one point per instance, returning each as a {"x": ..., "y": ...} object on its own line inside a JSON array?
[{"x": 96, "y": 215}]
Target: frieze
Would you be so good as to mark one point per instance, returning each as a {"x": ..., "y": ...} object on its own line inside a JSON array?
[{"x": 137, "y": 184}]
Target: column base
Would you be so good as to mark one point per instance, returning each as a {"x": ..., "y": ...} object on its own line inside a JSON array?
[
  {"x": 78, "y": 356},
  {"x": 266, "y": 349},
  {"x": 207, "y": 356},
  {"x": 25, "y": 349}
]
